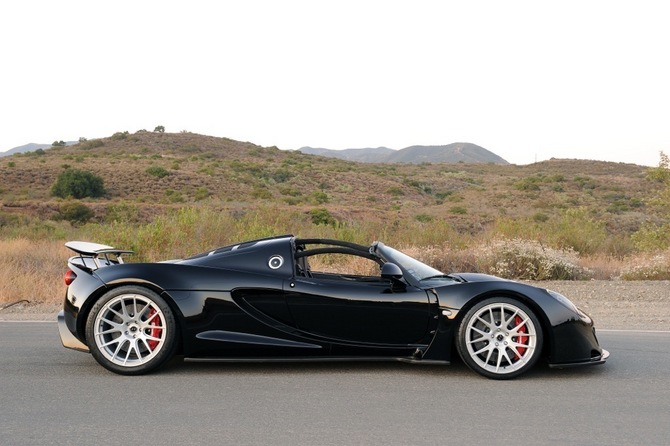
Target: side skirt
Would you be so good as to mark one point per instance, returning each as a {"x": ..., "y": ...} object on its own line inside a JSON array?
[{"x": 318, "y": 359}]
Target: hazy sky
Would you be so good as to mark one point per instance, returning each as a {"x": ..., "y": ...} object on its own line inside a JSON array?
[{"x": 528, "y": 80}]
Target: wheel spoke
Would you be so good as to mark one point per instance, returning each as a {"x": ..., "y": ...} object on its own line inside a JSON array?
[
  {"x": 113, "y": 341},
  {"x": 519, "y": 325},
  {"x": 483, "y": 349},
  {"x": 485, "y": 322},
  {"x": 151, "y": 318},
  {"x": 517, "y": 354},
  {"x": 118, "y": 348},
  {"x": 509, "y": 319},
  {"x": 112, "y": 323}
]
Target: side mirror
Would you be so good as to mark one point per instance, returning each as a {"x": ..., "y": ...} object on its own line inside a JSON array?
[{"x": 391, "y": 271}]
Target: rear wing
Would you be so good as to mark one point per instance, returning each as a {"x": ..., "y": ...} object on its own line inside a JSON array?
[{"x": 94, "y": 255}]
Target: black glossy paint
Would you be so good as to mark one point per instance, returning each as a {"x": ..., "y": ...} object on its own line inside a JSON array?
[{"x": 258, "y": 300}]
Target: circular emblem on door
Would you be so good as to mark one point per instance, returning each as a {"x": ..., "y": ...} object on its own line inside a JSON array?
[{"x": 275, "y": 262}]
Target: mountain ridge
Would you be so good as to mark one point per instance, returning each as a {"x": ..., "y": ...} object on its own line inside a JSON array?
[
  {"x": 458, "y": 152},
  {"x": 31, "y": 147}
]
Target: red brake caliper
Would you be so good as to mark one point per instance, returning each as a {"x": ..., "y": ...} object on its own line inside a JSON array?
[
  {"x": 522, "y": 339},
  {"x": 155, "y": 331}
]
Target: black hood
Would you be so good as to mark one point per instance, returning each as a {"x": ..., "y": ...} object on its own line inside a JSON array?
[{"x": 477, "y": 277}]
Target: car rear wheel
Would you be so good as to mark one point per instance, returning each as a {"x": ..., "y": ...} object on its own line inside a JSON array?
[
  {"x": 131, "y": 330},
  {"x": 500, "y": 338}
]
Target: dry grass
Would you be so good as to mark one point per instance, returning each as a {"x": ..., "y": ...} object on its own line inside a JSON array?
[
  {"x": 225, "y": 191},
  {"x": 32, "y": 270}
]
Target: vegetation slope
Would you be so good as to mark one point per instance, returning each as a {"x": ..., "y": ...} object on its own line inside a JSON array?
[{"x": 170, "y": 195}]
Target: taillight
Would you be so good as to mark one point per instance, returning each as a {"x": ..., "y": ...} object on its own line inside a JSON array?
[{"x": 69, "y": 277}]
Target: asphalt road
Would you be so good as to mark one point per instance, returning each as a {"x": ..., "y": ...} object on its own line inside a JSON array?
[{"x": 50, "y": 395}]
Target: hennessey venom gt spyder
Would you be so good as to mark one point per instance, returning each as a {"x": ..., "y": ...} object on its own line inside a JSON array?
[{"x": 261, "y": 301}]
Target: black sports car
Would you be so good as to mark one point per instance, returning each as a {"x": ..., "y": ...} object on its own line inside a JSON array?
[{"x": 261, "y": 301}]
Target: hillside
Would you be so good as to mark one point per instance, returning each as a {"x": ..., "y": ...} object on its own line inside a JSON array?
[
  {"x": 159, "y": 171},
  {"x": 460, "y": 152}
]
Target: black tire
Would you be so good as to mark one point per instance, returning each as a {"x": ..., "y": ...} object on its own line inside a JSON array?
[
  {"x": 500, "y": 338},
  {"x": 131, "y": 330}
]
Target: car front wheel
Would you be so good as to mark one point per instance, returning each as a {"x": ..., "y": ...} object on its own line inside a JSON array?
[
  {"x": 500, "y": 338},
  {"x": 131, "y": 330}
]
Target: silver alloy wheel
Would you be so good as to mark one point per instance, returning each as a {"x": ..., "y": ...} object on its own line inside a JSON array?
[
  {"x": 501, "y": 338},
  {"x": 130, "y": 330}
]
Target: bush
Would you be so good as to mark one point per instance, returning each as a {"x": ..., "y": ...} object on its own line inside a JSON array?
[
  {"x": 656, "y": 267},
  {"x": 122, "y": 212},
  {"x": 74, "y": 183},
  {"x": 423, "y": 218},
  {"x": 75, "y": 212},
  {"x": 261, "y": 193},
  {"x": 157, "y": 171},
  {"x": 92, "y": 144},
  {"x": 201, "y": 193},
  {"x": 320, "y": 197},
  {"x": 322, "y": 216},
  {"x": 529, "y": 260}
]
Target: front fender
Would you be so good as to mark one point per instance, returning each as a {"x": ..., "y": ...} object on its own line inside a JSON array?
[{"x": 456, "y": 299}]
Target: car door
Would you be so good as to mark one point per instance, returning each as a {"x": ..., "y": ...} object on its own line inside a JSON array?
[{"x": 362, "y": 310}]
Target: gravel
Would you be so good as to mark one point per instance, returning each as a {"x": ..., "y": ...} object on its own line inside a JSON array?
[
  {"x": 613, "y": 305},
  {"x": 619, "y": 305}
]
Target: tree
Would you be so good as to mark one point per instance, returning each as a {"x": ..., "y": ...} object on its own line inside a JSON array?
[
  {"x": 77, "y": 184},
  {"x": 159, "y": 129}
]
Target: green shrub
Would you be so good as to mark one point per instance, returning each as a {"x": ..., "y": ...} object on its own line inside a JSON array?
[
  {"x": 424, "y": 218},
  {"x": 122, "y": 213},
  {"x": 201, "y": 193},
  {"x": 75, "y": 212},
  {"x": 540, "y": 217},
  {"x": 281, "y": 175},
  {"x": 261, "y": 193},
  {"x": 157, "y": 171},
  {"x": 77, "y": 184},
  {"x": 652, "y": 237},
  {"x": 321, "y": 216},
  {"x": 661, "y": 173},
  {"x": 92, "y": 144},
  {"x": 320, "y": 197},
  {"x": 395, "y": 191},
  {"x": 528, "y": 184},
  {"x": 174, "y": 196}
]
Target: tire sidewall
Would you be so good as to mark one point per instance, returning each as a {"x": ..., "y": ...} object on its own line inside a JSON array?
[
  {"x": 166, "y": 351},
  {"x": 462, "y": 333}
]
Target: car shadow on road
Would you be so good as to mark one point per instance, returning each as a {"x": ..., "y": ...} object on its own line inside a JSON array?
[{"x": 457, "y": 369}]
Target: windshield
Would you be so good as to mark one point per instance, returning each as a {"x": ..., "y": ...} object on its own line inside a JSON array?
[{"x": 418, "y": 270}]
